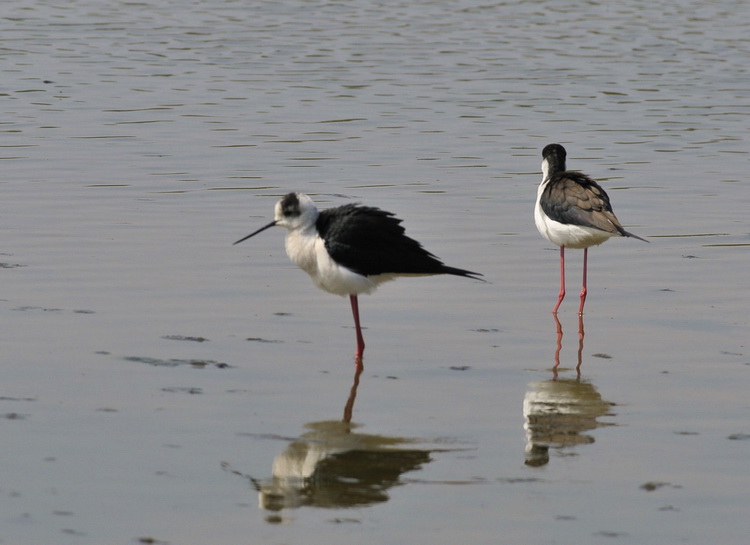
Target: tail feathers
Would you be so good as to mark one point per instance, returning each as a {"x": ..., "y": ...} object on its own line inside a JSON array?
[
  {"x": 628, "y": 234},
  {"x": 461, "y": 272}
]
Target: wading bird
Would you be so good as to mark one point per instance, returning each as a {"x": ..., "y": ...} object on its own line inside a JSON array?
[
  {"x": 351, "y": 249},
  {"x": 573, "y": 211}
]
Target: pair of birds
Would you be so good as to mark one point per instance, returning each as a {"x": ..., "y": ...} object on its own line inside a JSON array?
[{"x": 352, "y": 249}]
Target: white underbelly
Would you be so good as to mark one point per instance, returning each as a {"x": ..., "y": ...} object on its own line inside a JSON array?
[
  {"x": 570, "y": 236},
  {"x": 309, "y": 254}
]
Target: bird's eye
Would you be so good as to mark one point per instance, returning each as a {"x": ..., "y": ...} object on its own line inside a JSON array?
[
  {"x": 290, "y": 206},
  {"x": 290, "y": 211}
]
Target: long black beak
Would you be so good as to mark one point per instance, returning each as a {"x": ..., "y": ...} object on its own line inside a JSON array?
[{"x": 256, "y": 232}]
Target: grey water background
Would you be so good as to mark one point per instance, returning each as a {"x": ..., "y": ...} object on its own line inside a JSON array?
[{"x": 162, "y": 386}]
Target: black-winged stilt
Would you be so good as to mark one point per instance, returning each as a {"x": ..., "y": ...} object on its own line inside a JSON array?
[
  {"x": 573, "y": 211},
  {"x": 351, "y": 249}
]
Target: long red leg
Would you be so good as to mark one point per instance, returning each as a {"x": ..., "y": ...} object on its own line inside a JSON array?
[
  {"x": 584, "y": 290},
  {"x": 561, "y": 295},
  {"x": 360, "y": 339}
]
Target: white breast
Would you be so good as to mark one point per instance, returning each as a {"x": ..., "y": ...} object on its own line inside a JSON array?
[{"x": 307, "y": 250}]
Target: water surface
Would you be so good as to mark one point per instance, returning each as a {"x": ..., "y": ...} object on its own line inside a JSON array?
[{"x": 160, "y": 385}]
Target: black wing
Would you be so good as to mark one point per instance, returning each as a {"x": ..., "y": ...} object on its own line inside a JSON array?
[
  {"x": 573, "y": 198},
  {"x": 371, "y": 241}
]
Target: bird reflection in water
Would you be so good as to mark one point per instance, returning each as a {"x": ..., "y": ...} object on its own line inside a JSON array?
[
  {"x": 581, "y": 335},
  {"x": 558, "y": 412},
  {"x": 331, "y": 465}
]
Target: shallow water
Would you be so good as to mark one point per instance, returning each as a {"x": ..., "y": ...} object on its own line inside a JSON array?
[{"x": 160, "y": 384}]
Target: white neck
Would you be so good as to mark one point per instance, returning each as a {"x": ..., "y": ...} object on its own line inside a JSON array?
[{"x": 545, "y": 169}]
